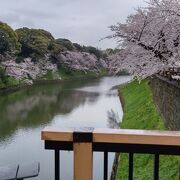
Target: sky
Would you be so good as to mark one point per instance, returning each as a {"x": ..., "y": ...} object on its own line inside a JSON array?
[{"x": 82, "y": 21}]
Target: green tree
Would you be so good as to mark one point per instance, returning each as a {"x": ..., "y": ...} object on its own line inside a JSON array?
[
  {"x": 55, "y": 48},
  {"x": 93, "y": 50},
  {"x": 67, "y": 44},
  {"x": 9, "y": 38},
  {"x": 78, "y": 47},
  {"x": 4, "y": 43},
  {"x": 37, "y": 42}
]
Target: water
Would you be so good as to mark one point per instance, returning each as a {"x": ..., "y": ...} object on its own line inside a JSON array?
[{"x": 82, "y": 103}]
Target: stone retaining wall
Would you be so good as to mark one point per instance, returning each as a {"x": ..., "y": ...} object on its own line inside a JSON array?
[{"x": 167, "y": 99}]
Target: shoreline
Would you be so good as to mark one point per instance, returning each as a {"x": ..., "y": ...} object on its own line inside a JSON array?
[
  {"x": 14, "y": 88},
  {"x": 117, "y": 155}
]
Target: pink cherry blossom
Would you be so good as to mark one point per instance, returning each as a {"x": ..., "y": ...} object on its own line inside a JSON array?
[{"x": 150, "y": 40}]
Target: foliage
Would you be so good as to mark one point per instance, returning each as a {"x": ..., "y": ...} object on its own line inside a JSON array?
[
  {"x": 89, "y": 49},
  {"x": 66, "y": 73},
  {"x": 5, "y": 80},
  {"x": 78, "y": 47},
  {"x": 54, "y": 48},
  {"x": 67, "y": 44},
  {"x": 37, "y": 42},
  {"x": 150, "y": 39},
  {"x": 27, "y": 70},
  {"x": 9, "y": 38},
  {"x": 108, "y": 51},
  {"x": 93, "y": 50},
  {"x": 105, "y": 54},
  {"x": 140, "y": 113},
  {"x": 68, "y": 65},
  {"x": 41, "y": 55},
  {"x": 33, "y": 41},
  {"x": 4, "y": 43},
  {"x": 79, "y": 61}
]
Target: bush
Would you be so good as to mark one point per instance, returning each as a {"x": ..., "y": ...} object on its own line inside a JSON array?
[{"x": 9, "y": 38}]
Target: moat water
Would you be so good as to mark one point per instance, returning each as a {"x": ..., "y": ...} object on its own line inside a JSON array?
[{"x": 78, "y": 103}]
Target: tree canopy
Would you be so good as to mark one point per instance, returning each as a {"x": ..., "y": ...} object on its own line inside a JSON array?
[
  {"x": 4, "y": 43},
  {"x": 34, "y": 41},
  {"x": 8, "y": 39},
  {"x": 67, "y": 44},
  {"x": 93, "y": 50},
  {"x": 150, "y": 39}
]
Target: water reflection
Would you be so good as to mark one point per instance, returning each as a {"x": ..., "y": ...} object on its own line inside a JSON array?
[
  {"x": 23, "y": 114},
  {"x": 113, "y": 119},
  {"x": 37, "y": 106}
]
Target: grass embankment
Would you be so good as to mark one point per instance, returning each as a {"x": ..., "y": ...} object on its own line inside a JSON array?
[{"x": 140, "y": 113}]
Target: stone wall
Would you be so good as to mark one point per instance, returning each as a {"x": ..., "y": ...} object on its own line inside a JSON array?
[{"x": 167, "y": 99}]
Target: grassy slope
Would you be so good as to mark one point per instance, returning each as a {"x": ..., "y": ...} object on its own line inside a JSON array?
[{"x": 140, "y": 113}]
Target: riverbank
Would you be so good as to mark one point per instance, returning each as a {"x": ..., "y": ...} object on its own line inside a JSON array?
[
  {"x": 140, "y": 113},
  {"x": 11, "y": 84}
]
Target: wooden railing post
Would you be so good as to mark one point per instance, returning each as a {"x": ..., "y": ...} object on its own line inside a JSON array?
[{"x": 83, "y": 154}]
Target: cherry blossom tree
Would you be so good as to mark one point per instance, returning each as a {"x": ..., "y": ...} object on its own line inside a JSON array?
[
  {"x": 82, "y": 61},
  {"x": 150, "y": 39},
  {"x": 26, "y": 70}
]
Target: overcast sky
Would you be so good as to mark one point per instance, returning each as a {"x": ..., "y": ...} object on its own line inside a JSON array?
[{"x": 81, "y": 21}]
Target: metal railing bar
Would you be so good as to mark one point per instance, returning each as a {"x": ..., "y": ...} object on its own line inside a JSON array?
[
  {"x": 59, "y": 145},
  {"x": 156, "y": 166},
  {"x": 123, "y": 148},
  {"x": 130, "y": 166},
  {"x": 137, "y": 148},
  {"x": 105, "y": 165},
  {"x": 57, "y": 164}
]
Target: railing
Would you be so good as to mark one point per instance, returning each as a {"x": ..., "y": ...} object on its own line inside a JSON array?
[{"x": 87, "y": 140}]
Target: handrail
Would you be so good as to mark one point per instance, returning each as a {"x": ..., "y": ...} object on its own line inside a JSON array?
[
  {"x": 117, "y": 136},
  {"x": 83, "y": 141}
]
